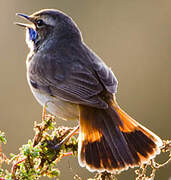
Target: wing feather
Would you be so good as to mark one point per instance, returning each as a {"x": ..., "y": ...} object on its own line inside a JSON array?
[{"x": 79, "y": 78}]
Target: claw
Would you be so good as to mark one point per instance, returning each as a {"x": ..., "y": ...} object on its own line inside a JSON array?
[{"x": 57, "y": 147}]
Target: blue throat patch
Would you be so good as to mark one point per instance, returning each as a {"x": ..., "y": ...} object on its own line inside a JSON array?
[{"x": 32, "y": 34}]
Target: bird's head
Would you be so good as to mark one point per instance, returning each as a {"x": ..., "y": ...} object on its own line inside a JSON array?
[{"x": 49, "y": 25}]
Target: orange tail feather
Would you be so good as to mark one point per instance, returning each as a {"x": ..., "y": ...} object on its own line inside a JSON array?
[{"x": 110, "y": 140}]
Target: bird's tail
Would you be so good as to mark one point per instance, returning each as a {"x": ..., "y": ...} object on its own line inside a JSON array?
[{"x": 110, "y": 140}]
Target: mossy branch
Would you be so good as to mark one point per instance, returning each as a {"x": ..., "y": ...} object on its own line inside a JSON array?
[{"x": 38, "y": 158}]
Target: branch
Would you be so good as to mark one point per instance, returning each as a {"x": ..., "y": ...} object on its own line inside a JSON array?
[{"x": 38, "y": 158}]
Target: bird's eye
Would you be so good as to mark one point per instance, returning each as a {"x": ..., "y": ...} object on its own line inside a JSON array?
[{"x": 39, "y": 23}]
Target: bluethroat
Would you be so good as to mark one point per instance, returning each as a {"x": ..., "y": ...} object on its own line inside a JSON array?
[{"x": 76, "y": 84}]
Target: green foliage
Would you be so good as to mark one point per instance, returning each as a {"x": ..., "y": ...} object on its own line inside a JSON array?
[
  {"x": 2, "y": 138},
  {"x": 38, "y": 158}
]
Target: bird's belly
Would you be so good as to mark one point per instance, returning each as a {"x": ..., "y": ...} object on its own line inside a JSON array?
[{"x": 57, "y": 107}]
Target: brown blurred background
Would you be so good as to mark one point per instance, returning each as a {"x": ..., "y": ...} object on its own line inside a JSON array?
[{"x": 133, "y": 37}]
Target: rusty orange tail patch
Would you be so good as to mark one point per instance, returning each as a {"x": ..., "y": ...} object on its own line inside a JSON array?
[{"x": 110, "y": 140}]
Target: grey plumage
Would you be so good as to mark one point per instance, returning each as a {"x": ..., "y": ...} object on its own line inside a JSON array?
[
  {"x": 73, "y": 73},
  {"x": 64, "y": 67}
]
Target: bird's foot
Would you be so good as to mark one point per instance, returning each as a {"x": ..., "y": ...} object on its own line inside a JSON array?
[
  {"x": 54, "y": 145},
  {"x": 58, "y": 145}
]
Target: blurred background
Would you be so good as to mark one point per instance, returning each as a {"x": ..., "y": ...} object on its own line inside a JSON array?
[{"x": 132, "y": 37}]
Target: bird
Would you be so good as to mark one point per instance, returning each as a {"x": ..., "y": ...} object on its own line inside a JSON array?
[{"x": 67, "y": 77}]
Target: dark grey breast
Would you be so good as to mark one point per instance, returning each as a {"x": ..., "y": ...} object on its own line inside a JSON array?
[{"x": 73, "y": 73}]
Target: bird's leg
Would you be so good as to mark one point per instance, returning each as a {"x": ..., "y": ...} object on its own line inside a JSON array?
[
  {"x": 44, "y": 112},
  {"x": 41, "y": 127},
  {"x": 73, "y": 132}
]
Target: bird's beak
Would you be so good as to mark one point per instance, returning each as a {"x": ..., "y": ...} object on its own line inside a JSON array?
[{"x": 25, "y": 17}]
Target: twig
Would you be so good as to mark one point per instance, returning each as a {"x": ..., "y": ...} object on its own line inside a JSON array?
[
  {"x": 62, "y": 156},
  {"x": 14, "y": 167},
  {"x": 41, "y": 128}
]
